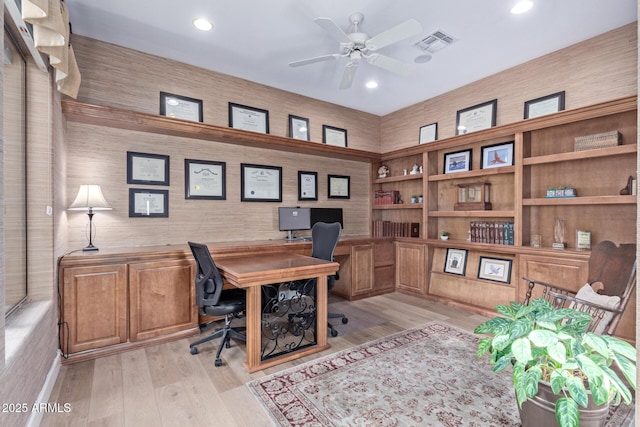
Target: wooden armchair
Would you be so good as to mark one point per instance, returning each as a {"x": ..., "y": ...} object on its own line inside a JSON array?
[{"x": 611, "y": 281}]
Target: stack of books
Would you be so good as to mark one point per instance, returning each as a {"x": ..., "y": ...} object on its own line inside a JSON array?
[
  {"x": 495, "y": 232},
  {"x": 386, "y": 197},
  {"x": 395, "y": 229}
]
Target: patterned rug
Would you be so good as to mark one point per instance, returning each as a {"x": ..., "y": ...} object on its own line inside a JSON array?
[{"x": 426, "y": 376}]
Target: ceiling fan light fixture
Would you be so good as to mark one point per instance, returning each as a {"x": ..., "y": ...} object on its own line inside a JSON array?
[
  {"x": 521, "y": 7},
  {"x": 371, "y": 84},
  {"x": 202, "y": 24}
]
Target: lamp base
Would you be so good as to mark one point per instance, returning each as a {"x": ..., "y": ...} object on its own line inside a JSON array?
[{"x": 89, "y": 248}]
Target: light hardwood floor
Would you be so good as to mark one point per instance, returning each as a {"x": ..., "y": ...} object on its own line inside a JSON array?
[{"x": 164, "y": 385}]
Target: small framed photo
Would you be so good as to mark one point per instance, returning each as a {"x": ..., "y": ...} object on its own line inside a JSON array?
[
  {"x": 334, "y": 136},
  {"x": 498, "y": 155},
  {"x": 180, "y": 107},
  {"x": 307, "y": 185},
  {"x": 478, "y": 117},
  {"x": 544, "y": 105},
  {"x": 495, "y": 269},
  {"x": 259, "y": 183},
  {"x": 148, "y": 203},
  {"x": 147, "y": 169},
  {"x": 248, "y": 118},
  {"x": 456, "y": 262},
  {"x": 204, "y": 180},
  {"x": 583, "y": 239},
  {"x": 460, "y": 161},
  {"x": 428, "y": 133},
  {"x": 339, "y": 186},
  {"x": 298, "y": 127}
]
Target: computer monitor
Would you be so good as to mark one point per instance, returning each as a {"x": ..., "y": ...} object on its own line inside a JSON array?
[
  {"x": 293, "y": 219},
  {"x": 326, "y": 215}
]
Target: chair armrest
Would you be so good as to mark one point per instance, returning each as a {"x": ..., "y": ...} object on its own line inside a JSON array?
[{"x": 600, "y": 314}]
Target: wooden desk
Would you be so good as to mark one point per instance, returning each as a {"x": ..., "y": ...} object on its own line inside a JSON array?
[{"x": 251, "y": 272}]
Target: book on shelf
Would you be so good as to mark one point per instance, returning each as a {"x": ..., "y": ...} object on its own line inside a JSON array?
[
  {"x": 395, "y": 229},
  {"x": 386, "y": 197},
  {"x": 494, "y": 232}
]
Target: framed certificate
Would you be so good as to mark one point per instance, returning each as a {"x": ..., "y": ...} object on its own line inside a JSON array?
[
  {"x": 339, "y": 187},
  {"x": 180, "y": 107},
  {"x": 260, "y": 183},
  {"x": 428, "y": 133},
  {"x": 147, "y": 169},
  {"x": 148, "y": 203},
  {"x": 307, "y": 185},
  {"x": 334, "y": 136},
  {"x": 544, "y": 105},
  {"x": 204, "y": 180},
  {"x": 298, "y": 128},
  {"x": 248, "y": 118},
  {"x": 478, "y": 117}
]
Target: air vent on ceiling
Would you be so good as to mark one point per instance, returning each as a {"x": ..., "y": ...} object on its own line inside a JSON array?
[{"x": 434, "y": 42}]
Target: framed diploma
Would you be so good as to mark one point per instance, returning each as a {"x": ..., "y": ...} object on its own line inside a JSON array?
[
  {"x": 204, "y": 180},
  {"x": 180, "y": 107},
  {"x": 148, "y": 203},
  {"x": 428, "y": 133},
  {"x": 260, "y": 183},
  {"x": 478, "y": 117},
  {"x": 248, "y": 118},
  {"x": 334, "y": 136},
  {"x": 147, "y": 169},
  {"x": 298, "y": 128},
  {"x": 338, "y": 186},
  {"x": 307, "y": 185},
  {"x": 544, "y": 105}
]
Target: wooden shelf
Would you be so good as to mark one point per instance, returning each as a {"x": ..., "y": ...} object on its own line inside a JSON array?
[
  {"x": 581, "y": 155},
  {"x": 589, "y": 200},
  {"x": 398, "y": 206},
  {"x": 472, "y": 174},
  {"x": 472, "y": 214},
  {"x": 397, "y": 178},
  {"x": 119, "y": 118}
]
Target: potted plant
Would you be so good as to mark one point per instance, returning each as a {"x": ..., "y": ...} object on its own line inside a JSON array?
[
  {"x": 414, "y": 199},
  {"x": 444, "y": 235},
  {"x": 549, "y": 347}
]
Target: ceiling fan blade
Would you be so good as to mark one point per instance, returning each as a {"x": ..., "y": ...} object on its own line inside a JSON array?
[
  {"x": 312, "y": 60},
  {"x": 395, "y": 34},
  {"x": 347, "y": 76},
  {"x": 333, "y": 29},
  {"x": 390, "y": 64}
]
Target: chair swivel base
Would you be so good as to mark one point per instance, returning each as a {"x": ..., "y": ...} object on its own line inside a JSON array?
[
  {"x": 334, "y": 332},
  {"x": 226, "y": 334}
]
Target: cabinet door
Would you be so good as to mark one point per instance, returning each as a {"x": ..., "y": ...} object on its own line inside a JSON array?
[
  {"x": 410, "y": 267},
  {"x": 94, "y": 306},
  {"x": 384, "y": 267},
  {"x": 362, "y": 269},
  {"x": 162, "y": 298}
]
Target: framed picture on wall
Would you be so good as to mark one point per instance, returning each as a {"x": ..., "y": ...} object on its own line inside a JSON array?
[
  {"x": 248, "y": 118},
  {"x": 146, "y": 203},
  {"x": 147, "y": 169},
  {"x": 428, "y": 133},
  {"x": 460, "y": 161},
  {"x": 307, "y": 185},
  {"x": 339, "y": 186},
  {"x": 180, "y": 107},
  {"x": 298, "y": 127},
  {"x": 204, "y": 179},
  {"x": 334, "y": 136},
  {"x": 544, "y": 105},
  {"x": 497, "y": 155},
  {"x": 259, "y": 183},
  {"x": 478, "y": 117}
]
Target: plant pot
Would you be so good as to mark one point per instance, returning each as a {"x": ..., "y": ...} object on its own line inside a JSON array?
[
  {"x": 444, "y": 237},
  {"x": 540, "y": 411}
]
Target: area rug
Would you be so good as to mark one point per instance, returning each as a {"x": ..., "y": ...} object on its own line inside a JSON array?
[{"x": 426, "y": 376}]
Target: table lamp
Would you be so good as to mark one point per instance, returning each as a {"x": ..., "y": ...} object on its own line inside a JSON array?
[{"x": 90, "y": 199}]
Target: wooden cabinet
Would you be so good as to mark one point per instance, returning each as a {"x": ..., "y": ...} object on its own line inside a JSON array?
[{"x": 411, "y": 266}]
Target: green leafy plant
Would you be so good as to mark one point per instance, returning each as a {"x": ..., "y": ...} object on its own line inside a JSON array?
[
  {"x": 444, "y": 233},
  {"x": 543, "y": 343}
]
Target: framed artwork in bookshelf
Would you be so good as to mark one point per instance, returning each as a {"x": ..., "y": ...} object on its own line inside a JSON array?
[
  {"x": 497, "y": 155},
  {"x": 456, "y": 262},
  {"x": 495, "y": 269},
  {"x": 460, "y": 161}
]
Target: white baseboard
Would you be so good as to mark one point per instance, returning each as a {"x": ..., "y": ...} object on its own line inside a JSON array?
[{"x": 35, "y": 418}]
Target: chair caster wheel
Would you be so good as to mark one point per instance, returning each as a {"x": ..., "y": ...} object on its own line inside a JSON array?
[
  {"x": 334, "y": 333},
  {"x": 194, "y": 350},
  {"x": 345, "y": 320},
  {"x": 218, "y": 362}
]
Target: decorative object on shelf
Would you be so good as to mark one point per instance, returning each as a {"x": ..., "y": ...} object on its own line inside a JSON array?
[
  {"x": 180, "y": 107},
  {"x": 473, "y": 196},
  {"x": 599, "y": 140},
  {"x": 536, "y": 241},
  {"x": 383, "y": 171},
  {"x": 338, "y": 186},
  {"x": 558, "y": 234},
  {"x": 495, "y": 269},
  {"x": 145, "y": 203},
  {"x": 630, "y": 188},
  {"x": 420, "y": 198},
  {"x": 415, "y": 170},
  {"x": 90, "y": 198},
  {"x": 583, "y": 239},
  {"x": 478, "y": 117},
  {"x": 204, "y": 179},
  {"x": 497, "y": 155},
  {"x": 307, "y": 185},
  {"x": 414, "y": 199},
  {"x": 444, "y": 235},
  {"x": 334, "y": 136},
  {"x": 298, "y": 127},
  {"x": 147, "y": 169},
  {"x": 259, "y": 183},
  {"x": 404, "y": 172},
  {"x": 544, "y": 105},
  {"x": 561, "y": 192},
  {"x": 456, "y": 262},
  {"x": 248, "y": 118},
  {"x": 428, "y": 133},
  {"x": 460, "y": 161}
]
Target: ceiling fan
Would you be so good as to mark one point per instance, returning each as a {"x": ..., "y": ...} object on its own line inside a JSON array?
[{"x": 357, "y": 46}]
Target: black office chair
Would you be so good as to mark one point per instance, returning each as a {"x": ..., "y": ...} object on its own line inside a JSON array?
[{"x": 212, "y": 300}]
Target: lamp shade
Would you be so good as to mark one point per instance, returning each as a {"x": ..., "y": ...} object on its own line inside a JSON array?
[{"x": 90, "y": 197}]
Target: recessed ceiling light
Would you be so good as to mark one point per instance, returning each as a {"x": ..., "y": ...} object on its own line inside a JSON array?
[
  {"x": 371, "y": 84},
  {"x": 202, "y": 24},
  {"x": 521, "y": 7},
  {"x": 422, "y": 58}
]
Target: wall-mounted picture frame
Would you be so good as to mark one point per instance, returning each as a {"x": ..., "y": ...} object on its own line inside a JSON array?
[
  {"x": 544, "y": 105},
  {"x": 147, "y": 169},
  {"x": 260, "y": 183},
  {"x": 181, "y": 107},
  {"x": 146, "y": 203},
  {"x": 307, "y": 185},
  {"x": 456, "y": 262},
  {"x": 204, "y": 179},
  {"x": 299, "y": 127},
  {"x": 428, "y": 133},
  {"x": 497, "y": 155},
  {"x": 334, "y": 136},
  {"x": 248, "y": 118},
  {"x": 478, "y": 117},
  {"x": 460, "y": 161},
  {"x": 339, "y": 187},
  {"x": 495, "y": 269}
]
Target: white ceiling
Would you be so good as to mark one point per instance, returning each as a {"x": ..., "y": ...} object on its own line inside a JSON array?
[{"x": 256, "y": 39}]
